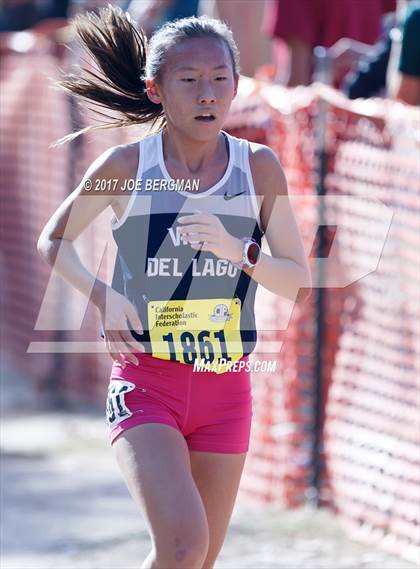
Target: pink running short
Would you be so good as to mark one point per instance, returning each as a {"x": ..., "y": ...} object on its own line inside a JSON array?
[{"x": 212, "y": 411}]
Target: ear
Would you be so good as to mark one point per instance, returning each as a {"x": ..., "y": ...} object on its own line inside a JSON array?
[{"x": 152, "y": 91}]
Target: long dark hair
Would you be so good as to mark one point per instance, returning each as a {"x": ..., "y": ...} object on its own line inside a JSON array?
[{"x": 125, "y": 59}]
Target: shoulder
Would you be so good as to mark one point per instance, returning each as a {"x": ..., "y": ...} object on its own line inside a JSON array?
[
  {"x": 268, "y": 179},
  {"x": 119, "y": 161},
  {"x": 115, "y": 165},
  {"x": 267, "y": 172}
]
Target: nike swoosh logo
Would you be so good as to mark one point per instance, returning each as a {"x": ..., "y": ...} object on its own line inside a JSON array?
[{"x": 231, "y": 196}]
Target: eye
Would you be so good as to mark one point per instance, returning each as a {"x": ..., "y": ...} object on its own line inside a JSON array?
[
  {"x": 188, "y": 79},
  {"x": 222, "y": 78}
]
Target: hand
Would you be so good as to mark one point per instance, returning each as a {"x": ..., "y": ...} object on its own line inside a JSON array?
[
  {"x": 205, "y": 232},
  {"x": 344, "y": 55},
  {"x": 118, "y": 337}
]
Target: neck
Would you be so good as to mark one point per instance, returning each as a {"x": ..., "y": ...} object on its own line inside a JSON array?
[{"x": 189, "y": 155}]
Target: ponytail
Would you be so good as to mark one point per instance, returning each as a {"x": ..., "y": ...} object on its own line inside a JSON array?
[{"x": 119, "y": 49}]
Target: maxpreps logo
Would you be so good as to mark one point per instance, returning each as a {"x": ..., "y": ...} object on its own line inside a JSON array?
[{"x": 265, "y": 366}]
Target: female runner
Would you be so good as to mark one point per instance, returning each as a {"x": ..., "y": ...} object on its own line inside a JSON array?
[{"x": 187, "y": 267}]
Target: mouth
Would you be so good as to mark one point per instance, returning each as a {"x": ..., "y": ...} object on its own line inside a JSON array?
[{"x": 205, "y": 117}]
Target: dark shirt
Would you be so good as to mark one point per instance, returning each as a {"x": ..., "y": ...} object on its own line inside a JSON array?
[
  {"x": 409, "y": 63},
  {"x": 14, "y": 18},
  {"x": 369, "y": 77}
]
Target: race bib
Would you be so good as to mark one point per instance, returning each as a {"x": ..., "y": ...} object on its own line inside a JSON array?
[
  {"x": 205, "y": 329},
  {"x": 116, "y": 408}
]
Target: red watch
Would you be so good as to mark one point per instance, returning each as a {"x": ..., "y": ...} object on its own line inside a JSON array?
[{"x": 251, "y": 253}]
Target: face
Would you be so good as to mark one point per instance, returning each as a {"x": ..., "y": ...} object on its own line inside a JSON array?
[{"x": 197, "y": 78}]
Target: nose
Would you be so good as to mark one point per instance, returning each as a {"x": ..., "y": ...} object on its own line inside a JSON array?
[{"x": 206, "y": 94}]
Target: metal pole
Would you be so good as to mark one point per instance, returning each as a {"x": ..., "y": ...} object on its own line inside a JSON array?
[{"x": 322, "y": 74}]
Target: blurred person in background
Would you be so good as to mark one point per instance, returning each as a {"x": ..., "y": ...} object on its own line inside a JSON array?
[
  {"x": 152, "y": 14},
  {"x": 304, "y": 24},
  {"x": 80, "y": 6},
  {"x": 18, "y": 15},
  {"x": 392, "y": 66},
  {"x": 367, "y": 78},
  {"x": 403, "y": 76},
  {"x": 245, "y": 18}
]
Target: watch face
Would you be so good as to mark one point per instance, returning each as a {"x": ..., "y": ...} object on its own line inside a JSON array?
[{"x": 253, "y": 253}]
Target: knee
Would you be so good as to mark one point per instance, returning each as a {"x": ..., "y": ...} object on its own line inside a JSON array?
[
  {"x": 190, "y": 556},
  {"x": 183, "y": 552}
]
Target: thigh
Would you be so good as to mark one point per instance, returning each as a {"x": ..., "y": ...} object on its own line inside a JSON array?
[
  {"x": 152, "y": 392},
  {"x": 217, "y": 476},
  {"x": 220, "y": 411},
  {"x": 154, "y": 461}
]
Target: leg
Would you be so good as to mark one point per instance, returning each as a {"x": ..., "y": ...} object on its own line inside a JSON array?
[
  {"x": 217, "y": 476},
  {"x": 154, "y": 461},
  {"x": 300, "y": 62}
]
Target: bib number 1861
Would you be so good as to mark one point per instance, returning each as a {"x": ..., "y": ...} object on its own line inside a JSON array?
[{"x": 205, "y": 346}]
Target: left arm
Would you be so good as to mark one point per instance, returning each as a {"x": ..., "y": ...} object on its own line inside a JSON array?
[{"x": 286, "y": 271}]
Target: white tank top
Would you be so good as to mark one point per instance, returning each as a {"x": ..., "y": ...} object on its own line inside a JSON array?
[{"x": 191, "y": 303}]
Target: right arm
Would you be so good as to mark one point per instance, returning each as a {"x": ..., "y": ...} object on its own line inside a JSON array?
[{"x": 55, "y": 245}]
